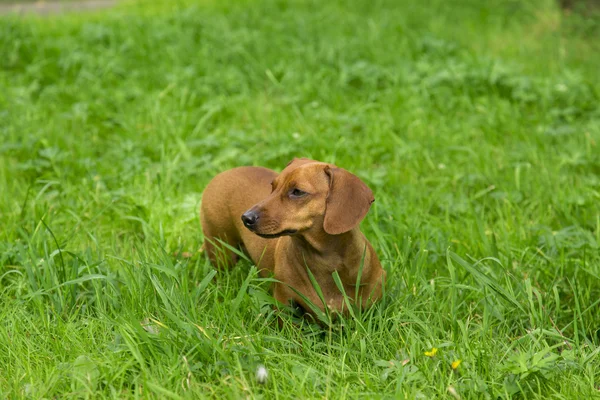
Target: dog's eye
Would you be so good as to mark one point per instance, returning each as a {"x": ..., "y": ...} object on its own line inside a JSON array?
[{"x": 296, "y": 193}]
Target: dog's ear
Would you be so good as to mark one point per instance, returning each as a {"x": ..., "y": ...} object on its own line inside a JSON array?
[
  {"x": 296, "y": 162},
  {"x": 348, "y": 201}
]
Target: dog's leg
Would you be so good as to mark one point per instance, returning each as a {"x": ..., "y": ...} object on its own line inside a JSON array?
[{"x": 219, "y": 255}]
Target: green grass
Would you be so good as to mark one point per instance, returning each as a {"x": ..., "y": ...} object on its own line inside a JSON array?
[{"x": 476, "y": 124}]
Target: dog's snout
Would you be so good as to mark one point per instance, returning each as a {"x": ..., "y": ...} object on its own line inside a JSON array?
[{"x": 249, "y": 218}]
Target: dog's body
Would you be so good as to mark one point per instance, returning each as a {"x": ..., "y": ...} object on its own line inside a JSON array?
[{"x": 305, "y": 217}]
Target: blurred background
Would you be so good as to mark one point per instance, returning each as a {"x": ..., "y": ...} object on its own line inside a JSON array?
[{"x": 476, "y": 124}]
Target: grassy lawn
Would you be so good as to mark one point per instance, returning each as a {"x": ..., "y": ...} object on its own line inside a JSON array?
[{"x": 476, "y": 124}]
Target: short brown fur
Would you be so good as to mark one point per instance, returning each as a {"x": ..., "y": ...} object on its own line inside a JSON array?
[{"x": 318, "y": 230}]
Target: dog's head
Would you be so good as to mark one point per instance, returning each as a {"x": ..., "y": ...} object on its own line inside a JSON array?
[{"x": 310, "y": 194}]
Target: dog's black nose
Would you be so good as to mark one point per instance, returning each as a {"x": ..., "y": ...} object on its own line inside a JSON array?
[{"x": 249, "y": 218}]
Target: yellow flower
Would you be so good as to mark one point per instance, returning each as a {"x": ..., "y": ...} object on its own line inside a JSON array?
[
  {"x": 432, "y": 352},
  {"x": 456, "y": 363}
]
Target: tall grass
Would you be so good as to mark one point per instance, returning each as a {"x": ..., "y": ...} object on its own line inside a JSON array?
[{"x": 475, "y": 123}]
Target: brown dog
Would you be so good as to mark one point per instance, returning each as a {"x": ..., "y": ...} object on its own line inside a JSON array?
[{"x": 305, "y": 217}]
